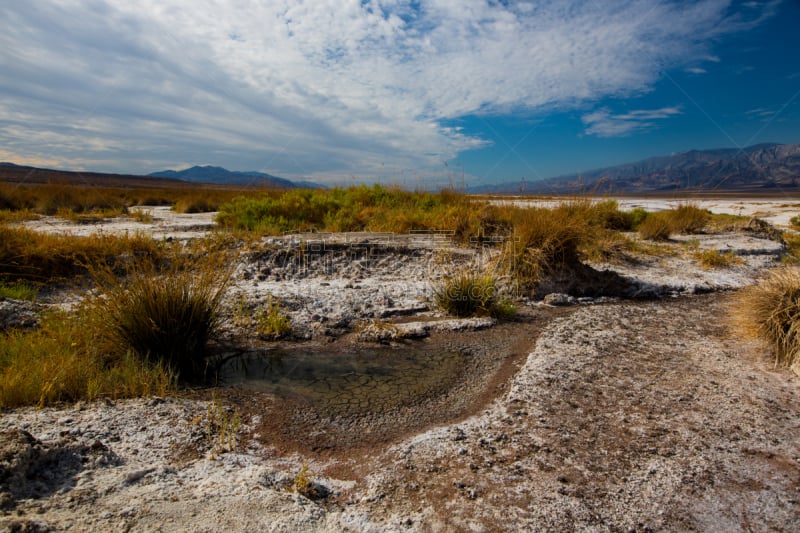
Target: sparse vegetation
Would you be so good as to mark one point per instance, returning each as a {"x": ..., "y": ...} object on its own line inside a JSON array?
[
  {"x": 222, "y": 427},
  {"x": 770, "y": 310},
  {"x": 716, "y": 259},
  {"x": 304, "y": 485},
  {"x": 471, "y": 294},
  {"x": 63, "y": 360},
  {"x": 37, "y": 257},
  {"x": 144, "y": 216},
  {"x": 272, "y": 322}
]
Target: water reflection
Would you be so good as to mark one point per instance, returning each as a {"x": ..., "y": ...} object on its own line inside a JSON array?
[{"x": 344, "y": 383}]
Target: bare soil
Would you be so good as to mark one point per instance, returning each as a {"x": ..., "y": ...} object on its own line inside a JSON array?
[{"x": 613, "y": 415}]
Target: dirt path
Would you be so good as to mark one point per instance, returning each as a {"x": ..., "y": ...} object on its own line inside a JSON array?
[{"x": 626, "y": 416}]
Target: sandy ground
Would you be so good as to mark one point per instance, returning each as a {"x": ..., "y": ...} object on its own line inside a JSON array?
[{"x": 611, "y": 415}]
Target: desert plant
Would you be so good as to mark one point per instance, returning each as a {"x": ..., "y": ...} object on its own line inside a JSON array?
[
  {"x": 688, "y": 218},
  {"x": 163, "y": 312},
  {"x": 272, "y": 322},
  {"x": 222, "y": 426},
  {"x": 471, "y": 294},
  {"x": 656, "y": 227},
  {"x": 770, "y": 310},
  {"x": 304, "y": 484},
  {"x": 145, "y": 216},
  {"x": 62, "y": 360},
  {"x": 716, "y": 259},
  {"x": 544, "y": 241}
]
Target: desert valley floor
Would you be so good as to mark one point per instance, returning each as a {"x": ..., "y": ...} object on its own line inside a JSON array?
[{"x": 637, "y": 412}]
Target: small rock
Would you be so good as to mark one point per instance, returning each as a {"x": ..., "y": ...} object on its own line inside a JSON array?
[{"x": 558, "y": 299}]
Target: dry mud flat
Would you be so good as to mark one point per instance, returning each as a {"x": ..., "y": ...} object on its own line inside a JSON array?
[
  {"x": 626, "y": 416},
  {"x": 620, "y": 416}
]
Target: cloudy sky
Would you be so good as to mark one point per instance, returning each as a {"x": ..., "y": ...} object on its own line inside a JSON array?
[{"x": 410, "y": 93}]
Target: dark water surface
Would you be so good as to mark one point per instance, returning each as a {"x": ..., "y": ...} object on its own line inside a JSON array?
[{"x": 344, "y": 383}]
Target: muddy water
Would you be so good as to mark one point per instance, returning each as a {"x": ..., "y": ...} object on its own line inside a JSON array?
[{"x": 347, "y": 383}]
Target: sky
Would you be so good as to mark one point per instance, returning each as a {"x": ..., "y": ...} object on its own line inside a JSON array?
[{"x": 418, "y": 94}]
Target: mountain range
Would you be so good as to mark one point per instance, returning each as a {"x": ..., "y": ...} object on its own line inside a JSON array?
[
  {"x": 219, "y": 175},
  {"x": 758, "y": 168},
  {"x": 195, "y": 176},
  {"x": 763, "y": 168}
]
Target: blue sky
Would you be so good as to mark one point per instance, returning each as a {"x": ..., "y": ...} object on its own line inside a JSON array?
[{"x": 413, "y": 93}]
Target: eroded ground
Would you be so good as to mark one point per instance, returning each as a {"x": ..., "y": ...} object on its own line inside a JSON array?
[{"x": 611, "y": 415}]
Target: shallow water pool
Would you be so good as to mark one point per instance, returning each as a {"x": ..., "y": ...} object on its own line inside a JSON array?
[{"x": 345, "y": 382}]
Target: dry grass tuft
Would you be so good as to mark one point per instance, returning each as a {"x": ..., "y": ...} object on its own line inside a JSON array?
[
  {"x": 62, "y": 361},
  {"x": 544, "y": 241},
  {"x": 471, "y": 294},
  {"x": 715, "y": 259},
  {"x": 33, "y": 256},
  {"x": 163, "y": 312},
  {"x": 770, "y": 310}
]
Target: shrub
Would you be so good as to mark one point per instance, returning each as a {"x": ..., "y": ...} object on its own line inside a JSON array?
[
  {"x": 688, "y": 218},
  {"x": 163, "y": 313},
  {"x": 770, "y": 310},
  {"x": 471, "y": 294}
]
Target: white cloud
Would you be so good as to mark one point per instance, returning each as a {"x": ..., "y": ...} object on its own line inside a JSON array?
[
  {"x": 321, "y": 88},
  {"x": 603, "y": 123},
  {"x": 696, "y": 70}
]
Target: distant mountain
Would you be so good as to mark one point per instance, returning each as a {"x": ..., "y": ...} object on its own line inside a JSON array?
[
  {"x": 759, "y": 168},
  {"x": 209, "y": 174}
]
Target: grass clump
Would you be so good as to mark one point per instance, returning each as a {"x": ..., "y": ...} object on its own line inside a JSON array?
[
  {"x": 17, "y": 290},
  {"x": 770, "y": 310},
  {"x": 222, "y": 427},
  {"x": 688, "y": 218},
  {"x": 62, "y": 361},
  {"x": 656, "y": 227},
  {"x": 163, "y": 313},
  {"x": 32, "y": 256},
  {"x": 544, "y": 241},
  {"x": 715, "y": 259},
  {"x": 685, "y": 219},
  {"x": 471, "y": 294},
  {"x": 272, "y": 322}
]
